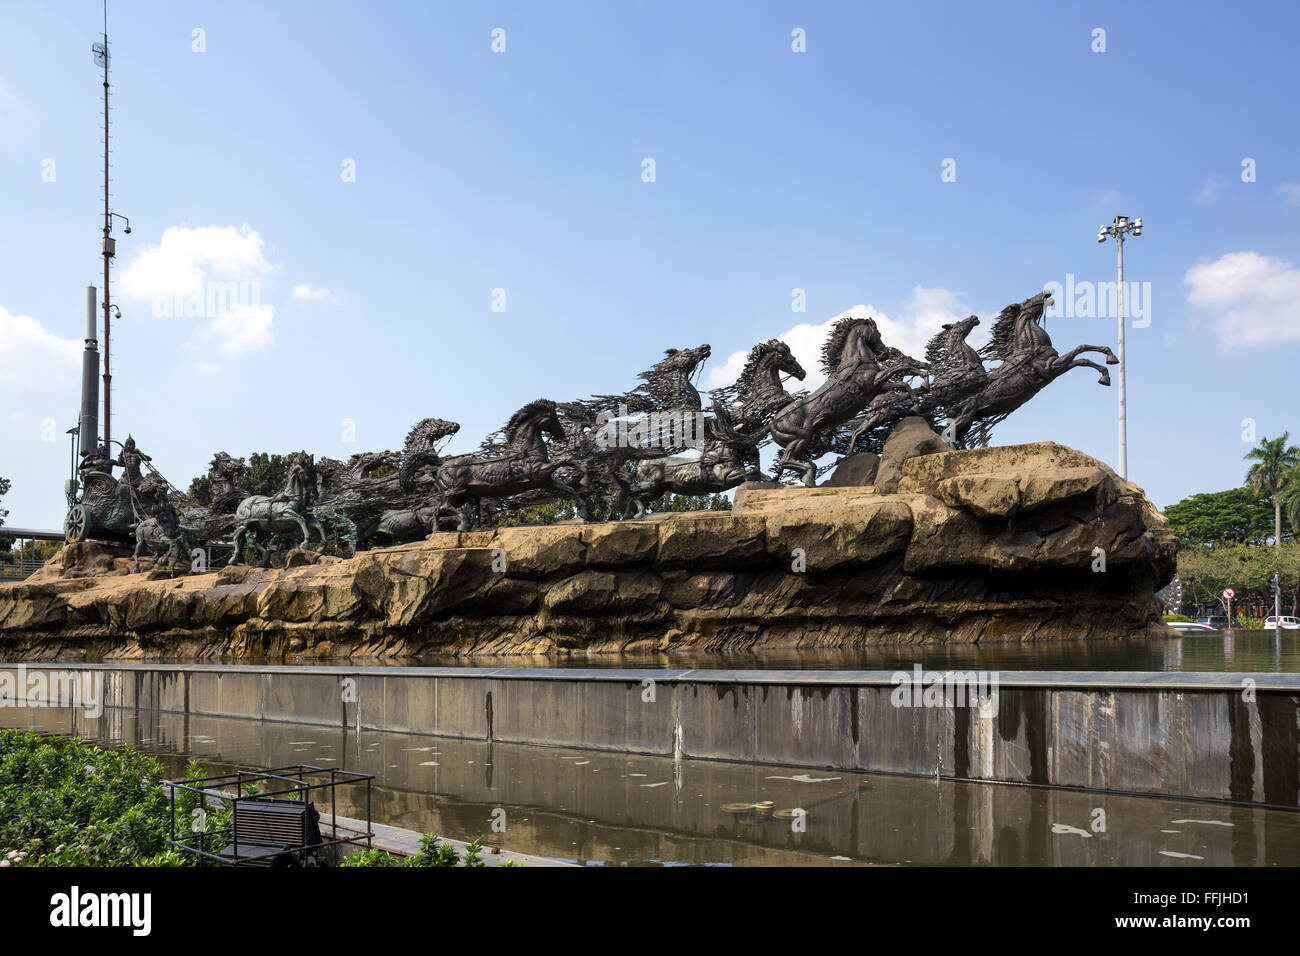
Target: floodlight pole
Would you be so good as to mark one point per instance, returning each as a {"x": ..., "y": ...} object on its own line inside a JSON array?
[
  {"x": 1123, "y": 379},
  {"x": 1122, "y": 226}
]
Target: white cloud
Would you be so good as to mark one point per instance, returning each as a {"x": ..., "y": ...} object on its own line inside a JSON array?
[
  {"x": 212, "y": 272},
  {"x": 1255, "y": 299},
  {"x": 310, "y": 293},
  {"x": 33, "y": 356},
  {"x": 241, "y": 329},
  {"x": 1291, "y": 193},
  {"x": 1208, "y": 191},
  {"x": 924, "y": 313}
]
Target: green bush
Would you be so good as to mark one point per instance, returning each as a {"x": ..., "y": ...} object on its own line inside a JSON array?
[
  {"x": 375, "y": 857},
  {"x": 66, "y": 803},
  {"x": 433, "y": 853}
]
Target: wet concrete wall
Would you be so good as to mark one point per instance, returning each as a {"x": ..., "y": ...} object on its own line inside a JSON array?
[{"x": 1213, "y": 736}]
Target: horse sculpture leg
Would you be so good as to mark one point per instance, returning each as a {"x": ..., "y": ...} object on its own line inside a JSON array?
[
  {"x": 237, "y": 556},
  {"x": 314, "y": 524},
  {"x": 1070, "y": 356},
  {"x": 301, "y": 522},
  {"x": 1084, "y": 363},
  {"x": 788, "y": 460},
  {"x": 583, "y": 513}
]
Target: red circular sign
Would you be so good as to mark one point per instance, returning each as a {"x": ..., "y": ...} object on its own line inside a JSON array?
[{"x": 1229, "y": 593}]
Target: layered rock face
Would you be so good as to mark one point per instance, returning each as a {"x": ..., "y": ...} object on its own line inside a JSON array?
[{"x": 1020, "y": 543}]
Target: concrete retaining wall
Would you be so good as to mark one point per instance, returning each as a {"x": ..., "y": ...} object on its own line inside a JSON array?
[{"x": 1185, "y": 735}]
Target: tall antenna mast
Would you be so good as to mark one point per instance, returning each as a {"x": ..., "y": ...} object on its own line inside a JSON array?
[{"x": 109, "y": 245}]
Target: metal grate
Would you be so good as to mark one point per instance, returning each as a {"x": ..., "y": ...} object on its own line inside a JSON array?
[{"x": 274, "y": 822}]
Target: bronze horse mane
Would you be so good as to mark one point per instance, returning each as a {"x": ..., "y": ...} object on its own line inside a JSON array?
[
  {"x": 518, "y": 419},
  {"x": 840, "y": 332},
  {"x": 1003, "y": 343},
  {"x": 745, "y": 381}
]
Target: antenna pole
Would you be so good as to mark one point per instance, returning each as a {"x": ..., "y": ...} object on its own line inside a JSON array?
[{"x": 108, "y": 254}]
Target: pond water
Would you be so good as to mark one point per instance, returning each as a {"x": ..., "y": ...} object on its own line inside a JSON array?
[
  {"x": 614, "y": 809},
  {"x": 1254, "y": 651}
]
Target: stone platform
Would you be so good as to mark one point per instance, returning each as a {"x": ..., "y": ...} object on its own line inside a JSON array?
[{"x": 1018, "y": 543}]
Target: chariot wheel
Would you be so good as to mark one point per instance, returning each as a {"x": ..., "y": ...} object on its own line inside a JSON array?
[{"x": 77, "y": 524}]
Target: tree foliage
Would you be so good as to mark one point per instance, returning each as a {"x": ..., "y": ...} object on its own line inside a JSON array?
[
  {"x": 262, "y": 473},
  {"x": 1247, "y": 569},
  {"x": 1235, "y": 516}
]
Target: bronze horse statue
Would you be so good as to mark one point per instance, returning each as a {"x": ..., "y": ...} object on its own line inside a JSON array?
[
  {"x": 954, "y": 372},
  {"x": 726, "y": 460},
  {"x": 461, "y": 482},
  {"x": 283, "y": 512},
  {"x": 851, "y": 358},
  {"x": 1029, "y": 364}
]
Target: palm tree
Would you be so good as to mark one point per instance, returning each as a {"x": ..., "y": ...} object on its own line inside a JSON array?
[
  {"x": 1290, "y": 498},
  {"x": 1274, "y": 463}
]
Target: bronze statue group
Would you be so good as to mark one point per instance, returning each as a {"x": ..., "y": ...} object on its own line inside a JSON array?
[{"x": 628, "y": 449}]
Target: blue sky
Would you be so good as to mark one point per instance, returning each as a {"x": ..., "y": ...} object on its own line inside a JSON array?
[{"x": 522, "y": 171}]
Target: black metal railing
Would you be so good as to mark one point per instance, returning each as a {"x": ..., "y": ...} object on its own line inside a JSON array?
[{"x": 262, "y": 819}]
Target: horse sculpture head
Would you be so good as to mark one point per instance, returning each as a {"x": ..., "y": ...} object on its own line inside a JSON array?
[
  {"x": 683, "y": 360},
  {"x": 772, "y": 354},
  {"x": 541, "y": 415},
  {"x": 959, "y": 330},
  {"x": 1018, "y": 328},
  {"x": 668, "y": 384},
  {"x": 852, "y": 339},
  {"x": 421, "y": 448}
]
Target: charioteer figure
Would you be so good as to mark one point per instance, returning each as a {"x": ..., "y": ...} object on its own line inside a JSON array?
[
  {"x": 130, "y": 461},
  {"x": 97, "y": 460}
]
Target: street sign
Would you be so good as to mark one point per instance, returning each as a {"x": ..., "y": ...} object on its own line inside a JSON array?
[{"x": 1229, "y": 593}]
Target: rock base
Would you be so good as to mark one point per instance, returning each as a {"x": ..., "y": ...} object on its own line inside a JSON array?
[{"x": 1022, "y": 543}]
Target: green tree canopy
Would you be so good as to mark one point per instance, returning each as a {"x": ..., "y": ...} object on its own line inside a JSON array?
[
  {"x": 263, "y": 473},
  {"x": 1247, "y": 569},
  {"x": 1238, "y": 515}
]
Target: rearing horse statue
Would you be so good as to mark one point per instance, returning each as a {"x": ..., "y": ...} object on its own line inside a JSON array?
[
  {"x": 955, "y": 371},
  {"x": 1029, "y": 363},
  {"x": 855, "y": 377}
]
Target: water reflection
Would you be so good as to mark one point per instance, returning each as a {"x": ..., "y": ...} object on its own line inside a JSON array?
[
  {"x": 1264, "y": 651},
  {"x": 615, "y": 809}
]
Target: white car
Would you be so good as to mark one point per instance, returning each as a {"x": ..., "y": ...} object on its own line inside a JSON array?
[{"x": 1284, "y": 623}]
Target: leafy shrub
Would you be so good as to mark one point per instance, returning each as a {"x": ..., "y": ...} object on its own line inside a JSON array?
[
  {"x": 66, "y": 803},
  {"x": 374, "y": 857}
]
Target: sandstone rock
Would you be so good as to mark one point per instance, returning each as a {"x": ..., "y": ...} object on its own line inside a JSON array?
[
  {"x": 84, "y": 559},
  {"x": 912, "y": 437},
  {"x": 856, "y": 469},
  {"x": 745, "y": 489},
  {"x": 710, "y": 540},
  {"x": 980, "y": 545}
]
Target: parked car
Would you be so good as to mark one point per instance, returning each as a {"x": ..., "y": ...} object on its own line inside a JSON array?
[
  {"x": 1218, "y": 622},
  {"x": 1286, "y": 623},
  {"x": 1187, "y": 627}
]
